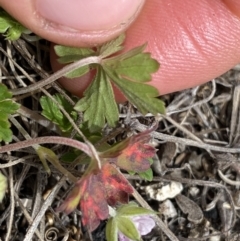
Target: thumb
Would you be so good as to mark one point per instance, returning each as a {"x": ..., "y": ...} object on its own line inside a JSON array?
[
  {"x": 75, "y": 22},
  {"x": 194, "y": 41}
]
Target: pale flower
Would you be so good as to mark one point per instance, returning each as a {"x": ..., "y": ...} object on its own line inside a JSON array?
[{"x": 144, "y": 225}]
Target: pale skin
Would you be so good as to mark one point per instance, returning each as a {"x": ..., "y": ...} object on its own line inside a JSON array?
[{"x": 193, "y": 40}]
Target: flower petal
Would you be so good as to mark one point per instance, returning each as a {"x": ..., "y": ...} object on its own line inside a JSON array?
[{"x": 144, "y": 224}]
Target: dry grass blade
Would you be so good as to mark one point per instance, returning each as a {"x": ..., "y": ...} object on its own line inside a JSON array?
[
  {"x": 235, "y": 118},
  {"x": 41, "y": 213}
]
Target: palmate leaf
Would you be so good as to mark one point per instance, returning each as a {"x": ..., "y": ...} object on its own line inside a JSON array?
[
  {"x": 98, "y": 103},
  {"x": 128, "y": 71},
  {"x": 7, "y": 107}
]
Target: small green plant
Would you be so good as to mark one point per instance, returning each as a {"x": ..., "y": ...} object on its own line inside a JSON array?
[
  {"x": 51, "y": 111},
  {"x": 102, "y": 187},
  {"x": 129, "y": 72},
  {"x": 10, "y": 27},
  {"x": 128, "y": 222},
  {"x": 106, "y": 185},
  {"x": 7, "y": 107}
]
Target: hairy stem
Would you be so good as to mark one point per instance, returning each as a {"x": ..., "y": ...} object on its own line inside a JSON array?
[
  {"x": 48, "y": 139},
  {"x": 65, "y": 70}
]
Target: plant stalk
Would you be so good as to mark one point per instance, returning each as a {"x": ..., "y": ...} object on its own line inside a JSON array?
[{"x": 60, "y": 73}]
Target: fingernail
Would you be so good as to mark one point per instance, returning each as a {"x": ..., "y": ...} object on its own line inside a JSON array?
[{"x": 89, "y": 15}]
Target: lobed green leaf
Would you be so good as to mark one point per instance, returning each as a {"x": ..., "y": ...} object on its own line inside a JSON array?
[
  {"x": 128, "y": 54},
  {"x": 128, "y": 71},
  {"x": 7, "y": 107},
  {"x": 136, "y": 68},
  {"x": 71, "y": 54},
  {"x": 112, "y": 47},
  {"x": 98, "y": 103},
  {"x": 52, "y": 112}
]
